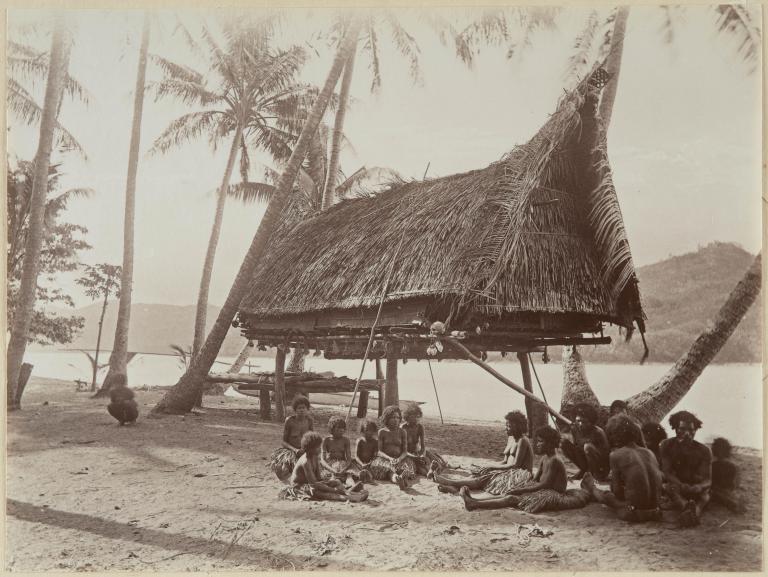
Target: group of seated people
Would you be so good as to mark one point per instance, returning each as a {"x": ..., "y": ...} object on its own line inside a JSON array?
[{"x": 645, "y": 471}]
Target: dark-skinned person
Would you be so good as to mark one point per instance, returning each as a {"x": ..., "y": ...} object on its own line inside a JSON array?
[
  {"x": 725, "y": 477},
  {"x": 619, "y": 407},
  {"x": 282, "y": 460},
  {"x": 423, "y": 459},
  {"x": 392, "y": 462},
  {"x": 654, "y": 434},
  {"x": 687, "y": 468},
  {"x": 547, "y": 491},
  {"x": 589, "y": 448},
  {"x": 635, "y": 475},
  {"x": 122, "y": 405}
]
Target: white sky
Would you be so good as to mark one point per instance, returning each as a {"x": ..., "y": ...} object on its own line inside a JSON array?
[{"x": 684, "y": 140}]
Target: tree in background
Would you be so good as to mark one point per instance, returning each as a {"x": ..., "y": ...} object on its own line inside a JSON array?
[
  {"x": 62, "y": 241},
  {"x": 118, "y": 359},
  {"x": 100, "y": 281},
  {"x": 249, "y": 95}
]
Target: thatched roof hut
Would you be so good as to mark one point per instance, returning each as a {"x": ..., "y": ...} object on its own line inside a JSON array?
[{"x": 528, "y": 251}]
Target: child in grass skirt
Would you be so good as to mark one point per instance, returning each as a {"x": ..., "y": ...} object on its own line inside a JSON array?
[
  {"x": 513, "y": 472},
  {"x": 366, "y": 450},
  {"x": 336, "y": 456},
  {"x": 422, "y": 457},
  {"x": 392, "y": 462},
  {"x": 282, "y": 460}
]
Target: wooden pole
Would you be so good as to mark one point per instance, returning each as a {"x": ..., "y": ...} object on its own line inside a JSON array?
[
  {"x": 362, "y": 405},
  {"x": 265, "y": 405},
  {"x": 457, "y": 345},
  {"x": 536, "y": 413},
  {"x": 280, "y": 383},
  {"x": 391, "y": 394},
  {"x": 380, "y": 379}
]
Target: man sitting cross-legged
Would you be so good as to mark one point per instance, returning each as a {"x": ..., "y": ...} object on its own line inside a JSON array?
[
  {"x": 547, "y": 491},
  {"x": 635, "y": 475},
  {"x": 687, "y": 467},
  {"x": 589, "y": 448}
]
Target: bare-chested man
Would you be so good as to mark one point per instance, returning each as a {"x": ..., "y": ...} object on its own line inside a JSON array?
[
  {"x": 589, "y": 448},
  {"x": 687, "y": 467},
  {"x": 635, "y": 475}
]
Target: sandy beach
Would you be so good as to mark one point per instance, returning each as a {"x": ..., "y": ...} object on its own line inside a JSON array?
[{"x": 192, "y": 494}]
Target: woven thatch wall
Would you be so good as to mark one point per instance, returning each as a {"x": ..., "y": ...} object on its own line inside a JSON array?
[{"x": 540, "y": 230}]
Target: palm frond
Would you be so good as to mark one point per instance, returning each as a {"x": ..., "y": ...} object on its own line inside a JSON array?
[
  {"x": 583, "y": 46},
  {"x": 737, "y": 21},
  {"x": 406, "y": 45},
  {"x": 189, "y": 93},
  {"x": 371, "y": 45},
  {"x": 175, "y": 71},
  {"x": 251, "y": 192},
  {"x": 187, "y": 128},
  {"x": 281, "y": 71}
]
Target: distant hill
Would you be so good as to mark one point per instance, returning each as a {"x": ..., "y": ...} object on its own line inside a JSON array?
[
  {"x": 153, "y": 328},
  {"x": 681, "y": 295}
]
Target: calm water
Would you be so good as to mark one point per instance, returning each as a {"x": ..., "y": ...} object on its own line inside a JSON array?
[{"x": 728, "y": 398}]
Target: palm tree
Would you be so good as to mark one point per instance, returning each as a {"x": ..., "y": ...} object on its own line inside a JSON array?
[
  {"x": 101, "y": 280},
  {"x": 255, "y": 101},
  {"x": 118, "y": 359},
  {"x": 54, "y": 90},
  {"x": 181, "y": 397}
]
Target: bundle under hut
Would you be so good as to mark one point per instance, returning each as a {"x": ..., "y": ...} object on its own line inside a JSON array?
[{"x": 526, "y": 253}]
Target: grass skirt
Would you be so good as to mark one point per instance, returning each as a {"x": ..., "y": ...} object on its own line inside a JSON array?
[
  {"x": 339, "y": 469},
  {"x": 550, "y": 500},
  {"x": 303, "y": 492},
  {"x": 382, "y": 468},
  {"x": 422, "y": 464},
  {"x": 502, "y": 482},
  {"x": 281, "y": 462}
]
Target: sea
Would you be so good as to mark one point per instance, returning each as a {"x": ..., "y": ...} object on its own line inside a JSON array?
[{"x": 727, "y": 398}]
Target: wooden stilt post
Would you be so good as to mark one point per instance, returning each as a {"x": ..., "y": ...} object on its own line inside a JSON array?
[
  {"x": 458, "y": 346},
  {"x": 535, "y": 411},
  {"x": 280, "y": 383},
  {"x": 362, "y": 405},
  {"x": 391, "y": 394},
  {"x": 380, "y": 379},
  {"x": 265, "y": 405}
]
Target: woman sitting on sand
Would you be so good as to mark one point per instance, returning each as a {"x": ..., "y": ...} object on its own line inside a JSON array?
[
  {"x": 422, "y": 457},
  {"x": 305, "y": 480},
  {"x": 282, "y": 460},
  {"x": 513, "y": 472},
  {"x": 392, "y": 462},
  {"x": 547, "y": 491}
]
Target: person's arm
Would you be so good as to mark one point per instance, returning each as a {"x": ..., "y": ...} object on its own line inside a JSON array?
[
  {"x": 324, "y": 453},
  {"x": 421, "y": 446},
  {"x": 287, "y": 428},
  {"x": 667, "y": 466},
  {"x": 357, "y": 458},
  {"x": 550, "y": 471},
  {"x": 601, "y": 441},
  {"x": 308, "y": 470},
  {"x": 704, "y": 471}
]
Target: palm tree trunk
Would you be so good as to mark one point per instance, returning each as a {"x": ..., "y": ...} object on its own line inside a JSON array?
[
  {"x": 22, "y": 317},
  {"x": 338, "y": 130},
  {"x": 296, "y": 363},
  {"x": 98, "y": 342},
  {"x": 576, "y": 387},
  {"x": 239, "y": 363},
  {"x": 659, "y": 399},
  {"x": 213, "y": 241},
  {"x": 181, "y": 397},
  {"x": 613, "y": 65},
  {"x": 118, "y": 359}
]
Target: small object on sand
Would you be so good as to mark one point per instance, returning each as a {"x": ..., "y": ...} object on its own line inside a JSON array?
[{"x": 199, "y": 475}]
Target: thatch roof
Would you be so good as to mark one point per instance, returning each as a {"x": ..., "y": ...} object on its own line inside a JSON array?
[{"x": 538, "y": 231}]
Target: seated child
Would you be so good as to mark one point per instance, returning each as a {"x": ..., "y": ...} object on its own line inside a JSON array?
[
  {"x": 366, "y": 449},
  {"x": 547, "y": 491},
  {"x": 422, "y": 457},
  {"x": 513, "y": 472},
  {"x": 654, "y": 434},
  {"x": 589, "y": 448},
  {"x": 725, "y": 477},
  {"x": 282, "y": 460},
  {"x": 392, "y": 462},
  {"x": 122, "y": 405},
  {"x": 635, "y": 475},
  {"x": 305, "y": 482},
  {"x": 687, "y": 467},
  {"x": 336, "y": 456}
]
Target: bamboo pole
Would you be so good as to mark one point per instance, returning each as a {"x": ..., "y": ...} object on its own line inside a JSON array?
[{"x": 457, "y": 345}]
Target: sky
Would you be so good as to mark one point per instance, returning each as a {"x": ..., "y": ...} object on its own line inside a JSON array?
[{"x": 684, "y": 141}]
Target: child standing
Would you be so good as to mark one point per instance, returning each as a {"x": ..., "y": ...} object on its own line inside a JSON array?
[{"x": 282, "y": 460}]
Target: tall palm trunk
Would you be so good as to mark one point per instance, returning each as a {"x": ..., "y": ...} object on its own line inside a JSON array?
[
  {"x": 201, "y": 315},
  {"x": 98, "y": 342},
  {"x": 338, "y": 129},
  {"x": 613, "y": 64},
  {"x": 213, "y": 242},
  {"x": 181, "y": 397},
  {"x": 296, "y": 363},
  {"x": 656, "y": 401},
  {"x": 118, "y": 360},
  {"x": 576, "y": 387},
  {"x": 22, "y": 317},
  {"x": 239, "y": 363}
]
